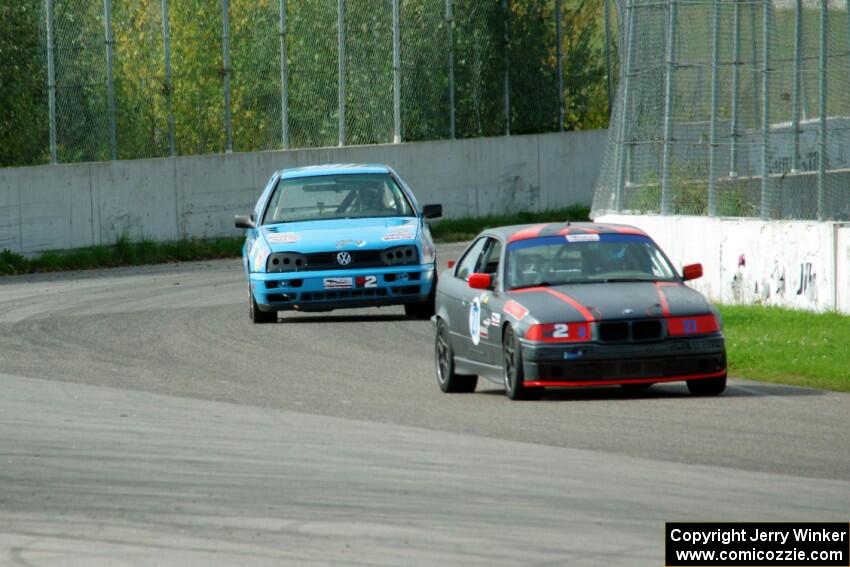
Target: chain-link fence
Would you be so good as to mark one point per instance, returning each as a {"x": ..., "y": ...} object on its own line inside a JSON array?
[
  {"x": 124, "y": 79},
  {"x": 731, "y": 108}
]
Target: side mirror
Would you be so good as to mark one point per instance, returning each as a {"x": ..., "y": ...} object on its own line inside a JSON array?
[
  {"x": 243, "y": 221},
  {"x": 479, "y": 281},
  {"x": 452, "y": 263},
  {"x": 692, "y": 272},
  {"x": 432, "y": 211}
]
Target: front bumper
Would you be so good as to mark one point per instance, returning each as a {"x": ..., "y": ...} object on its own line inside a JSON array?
[
  {"x": 311, "y": 291},
  {"x": 594, "y": 363}
]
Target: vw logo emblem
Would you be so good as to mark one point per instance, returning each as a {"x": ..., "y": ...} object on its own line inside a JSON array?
[
  {"x": 343, "y": 258},
  {"x": 628, "y": 311}
]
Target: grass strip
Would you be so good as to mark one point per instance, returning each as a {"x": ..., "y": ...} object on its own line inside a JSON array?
[
  {"x": 127, "y": 253},
  {"x": 785, "y": 346},
  {"x": 122, "y": 253}
]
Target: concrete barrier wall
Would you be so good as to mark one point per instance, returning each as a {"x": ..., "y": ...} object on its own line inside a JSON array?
[
  {"x": 76, "y": 205},
  {"x": 842, "y": 263},
  {"x": 796, "y": 264}
]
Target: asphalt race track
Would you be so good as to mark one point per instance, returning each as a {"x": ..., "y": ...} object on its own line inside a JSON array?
[{"x": 145, "y": 421}]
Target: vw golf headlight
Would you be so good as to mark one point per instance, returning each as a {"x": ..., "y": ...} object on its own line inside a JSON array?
[
  {"x": 259, "y": 254},
  {"x": 427, "y": 246}
]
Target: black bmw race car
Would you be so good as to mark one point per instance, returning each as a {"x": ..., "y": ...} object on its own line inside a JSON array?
[{"x": 575, "y": 304}]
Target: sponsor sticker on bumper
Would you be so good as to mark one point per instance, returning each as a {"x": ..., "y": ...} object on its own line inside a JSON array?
[{"x": 338, "y": 283}]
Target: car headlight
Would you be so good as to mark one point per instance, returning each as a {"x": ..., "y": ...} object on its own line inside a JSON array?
[
  {"x": 259, "y": 254},
  {"x": 428, "y": 251},
  {"x": 286, "y": 262},
  {"x": 406, "y": 255}
]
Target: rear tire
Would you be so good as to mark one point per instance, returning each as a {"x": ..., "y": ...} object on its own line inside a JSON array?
[
  {"x": 448, "y": 381},
  {"x": 514, "y": 373},
  {"x": 707, "y": 386},
  {"x": 257, "y": 316}
]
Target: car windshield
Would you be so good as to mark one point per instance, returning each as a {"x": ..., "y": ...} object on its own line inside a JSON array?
[
  {"x": 339, "y": 196},
  {"x": 594, "y": 258}
]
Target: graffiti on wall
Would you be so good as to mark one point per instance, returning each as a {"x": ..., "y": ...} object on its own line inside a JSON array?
[
  {"x": 808, "y": 279},
  {"x": 770, "y": 287}
]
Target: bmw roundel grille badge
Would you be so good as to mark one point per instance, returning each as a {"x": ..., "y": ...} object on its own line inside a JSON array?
[{"x": 343, "y": 258}]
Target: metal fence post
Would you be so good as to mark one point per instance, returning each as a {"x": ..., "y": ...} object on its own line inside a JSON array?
[
  {"x": 284, "y": 79},
  {"x": 715, "y": 79},
  {"x": 756, "y": 73},
  {"x": 822, "y": 134},
  {"x": 622, "y": 145},
  {"x": 666, "y": 190},
  {"x": 51, "y": 81},
  {"x": 795, "y": 91},
  {"x": 736, "y": 77},
  {"x": 169, "y": 88},
  {"x": 110, "y": 84},
  {"x": 559, "y": 57},
  {"x": 225, "y": 41},
  {"x": 341, "y": 60},
  {"x": 507, "y": 86},
  {"x": 768, "y": 199},
  {"x": 451, "y": 41},
  {"x": 396, "y": 74},
  {"x": 609, "y": 86}
]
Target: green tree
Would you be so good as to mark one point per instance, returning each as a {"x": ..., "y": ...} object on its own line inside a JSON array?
[{"x": 24, "y": 135}]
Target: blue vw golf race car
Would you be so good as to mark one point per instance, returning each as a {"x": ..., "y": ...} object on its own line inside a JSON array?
[{"x": 338, "y": 236}]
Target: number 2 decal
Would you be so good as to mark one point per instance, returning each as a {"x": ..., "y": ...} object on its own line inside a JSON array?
[
  {"x": 370, "y": 281},
  {"x": 562, "y": 331}
]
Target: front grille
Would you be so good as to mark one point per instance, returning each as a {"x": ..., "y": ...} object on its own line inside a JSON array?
[
  {"x": 342, "y": 294},
  {"x": 633, "y": 368},
  {"x": 406, "y": 290},
  {"x": 613, "y": 331},
  {"x": 646, "y": 330},
  {"x": 359, "y": 259},
  {"x": 618, "y": 331}
]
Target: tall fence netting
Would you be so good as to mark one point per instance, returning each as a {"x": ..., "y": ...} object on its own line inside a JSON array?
[
  {"x": 153, "y": 78},
  {"x": 731, "y": 108}
]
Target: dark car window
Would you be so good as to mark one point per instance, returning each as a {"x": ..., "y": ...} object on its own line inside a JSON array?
[
  {"x": 488, "y": 263},
  {"x": 469, "y": 261},
  {"x": 555, "y": 260},
  {"x": 341, "y": 196}
]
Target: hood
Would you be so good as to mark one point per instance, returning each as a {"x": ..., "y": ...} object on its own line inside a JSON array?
[
  {"x": 609, "y": 301},
  {"x": 340, "y": 234}
]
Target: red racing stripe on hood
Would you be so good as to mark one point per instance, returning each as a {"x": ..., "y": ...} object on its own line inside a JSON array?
[
  {"x": 588, "y": 316},
  {"x": 665, "y": 307},
  {"x": 662, "y": 297}
]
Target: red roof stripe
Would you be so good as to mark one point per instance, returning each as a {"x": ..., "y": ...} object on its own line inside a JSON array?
[
  {"x": 530, "y": 232},
  {"x": 623, "y": 229}
]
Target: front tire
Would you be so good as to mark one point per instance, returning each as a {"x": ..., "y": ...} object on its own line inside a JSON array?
[
  {"x": 427, "y": 308},
  {"x": 257, "y": 316},
  {"x": 419, "y": 310},
  {"x": 707, "y": 386},
  {"x": 448, "y": 381},
  {"x": 514, "y": 373}
]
